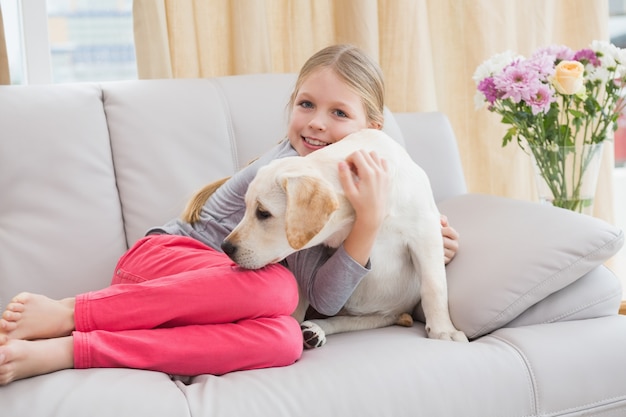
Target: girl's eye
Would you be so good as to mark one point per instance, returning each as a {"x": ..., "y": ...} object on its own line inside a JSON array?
[
  {"x": 306, "y": 104},
  {"x": 340, "y": 113}
]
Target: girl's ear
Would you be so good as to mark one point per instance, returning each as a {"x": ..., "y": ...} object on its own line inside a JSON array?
[{"x": 375, "y": 125}]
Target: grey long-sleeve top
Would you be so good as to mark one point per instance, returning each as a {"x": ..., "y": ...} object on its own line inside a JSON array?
[{"x": 327, "y": 276}]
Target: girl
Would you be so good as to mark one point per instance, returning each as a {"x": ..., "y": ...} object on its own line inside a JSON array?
[{"x": 176, "y": 285}]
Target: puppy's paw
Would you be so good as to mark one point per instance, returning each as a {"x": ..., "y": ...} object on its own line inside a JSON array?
[
  {"x": 455, "y": 336},
  {"x": 405, "y": 320},
  {"x": 447, "y": 334},
  {"x": 312, "y": 335}
]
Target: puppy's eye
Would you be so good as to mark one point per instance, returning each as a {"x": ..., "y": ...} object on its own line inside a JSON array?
[{"x": 263, "y": 214}]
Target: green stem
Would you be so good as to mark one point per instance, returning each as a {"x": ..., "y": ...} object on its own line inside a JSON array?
[{"x": 553, "y": 169}]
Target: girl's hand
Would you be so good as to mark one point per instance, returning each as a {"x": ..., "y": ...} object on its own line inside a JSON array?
[
  {"x": 365, "y": 180},
  {"x": 450, "y": 240}
]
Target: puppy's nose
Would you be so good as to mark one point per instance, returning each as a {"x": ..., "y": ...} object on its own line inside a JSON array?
[{"x": 228, "y": 248}]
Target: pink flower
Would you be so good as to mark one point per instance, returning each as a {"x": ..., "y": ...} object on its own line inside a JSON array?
[
  {"x": 488, "y": 88},
  {"x": 540, "y": 101},
  {"x": 587, "y": 56},
  {"x": 557, "y": 52},
  {"x": 517, "y": 81},
  {"x": 542, "y": 64}
]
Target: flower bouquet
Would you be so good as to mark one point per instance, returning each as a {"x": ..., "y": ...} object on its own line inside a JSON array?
[{"x": 561, "y": 105}]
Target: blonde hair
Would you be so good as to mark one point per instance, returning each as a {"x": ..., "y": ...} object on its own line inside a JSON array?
[
  {"x": 361, "y": 73},
  {"x": 192, "y": 211}
]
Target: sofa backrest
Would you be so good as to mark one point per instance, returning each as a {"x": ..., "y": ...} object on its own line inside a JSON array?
[
  {"x": 86, "y": 169},
  {"x": 61, "y": 223}
]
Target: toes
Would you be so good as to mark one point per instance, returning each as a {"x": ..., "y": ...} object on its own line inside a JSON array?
[
  {"x": 6, "y": 368},
  {"x": 7, "y": 326},
  {"x": 13, "y": 310},
  {"x": 11, "y": 315},
  {"x": 16, "y": 307},
  {"x": 22, "y": 298}
]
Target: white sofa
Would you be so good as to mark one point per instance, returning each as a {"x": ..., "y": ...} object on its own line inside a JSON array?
[{"x": 86, "y": 169}]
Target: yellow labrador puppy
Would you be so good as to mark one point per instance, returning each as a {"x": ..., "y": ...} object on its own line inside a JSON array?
[{"x": 298, "y": 202}]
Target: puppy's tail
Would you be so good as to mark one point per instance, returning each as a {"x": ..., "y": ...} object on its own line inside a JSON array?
[{"x": 191, "y": 214}]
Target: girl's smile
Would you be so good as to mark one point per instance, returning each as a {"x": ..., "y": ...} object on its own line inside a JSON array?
[{"x": 315, "y": 143}]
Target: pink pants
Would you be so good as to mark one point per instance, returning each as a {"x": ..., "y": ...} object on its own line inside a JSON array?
[{"x": 180, "y": 307}]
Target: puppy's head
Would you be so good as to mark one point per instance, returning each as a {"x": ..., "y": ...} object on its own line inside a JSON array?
[{"x": 286, "y": 208}]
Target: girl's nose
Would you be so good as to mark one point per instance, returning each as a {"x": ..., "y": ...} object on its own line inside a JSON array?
[{"x": 317, "y": 123}]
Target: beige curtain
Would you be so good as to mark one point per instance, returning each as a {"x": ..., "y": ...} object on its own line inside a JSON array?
[
  {"x": 5, "y": 77},
  {"x": 428, "y": 50}
]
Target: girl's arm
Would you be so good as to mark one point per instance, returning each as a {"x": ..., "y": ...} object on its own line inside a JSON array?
[{"x": 327, "y": 276}]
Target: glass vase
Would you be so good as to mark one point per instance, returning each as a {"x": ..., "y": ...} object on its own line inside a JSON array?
[{"x": 567, "y": 176}]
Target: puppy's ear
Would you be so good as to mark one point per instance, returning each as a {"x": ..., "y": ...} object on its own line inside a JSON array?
[{"x": 310, "y": 202}]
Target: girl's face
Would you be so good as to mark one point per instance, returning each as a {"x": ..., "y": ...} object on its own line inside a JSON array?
[{"x": 325, "y": 111}]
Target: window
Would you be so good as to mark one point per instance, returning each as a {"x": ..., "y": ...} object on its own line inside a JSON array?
[
  {"x": 617, "y": 30},
  {"x": 617, "y": 22},
  {"x": 14, "y": 42},
  {"x": 85, "y": 40}
]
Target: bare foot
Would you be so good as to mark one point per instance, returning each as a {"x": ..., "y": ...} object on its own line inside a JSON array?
[
  {"x": 21, "y": 359},
  {"x": 33, "y": 316}
]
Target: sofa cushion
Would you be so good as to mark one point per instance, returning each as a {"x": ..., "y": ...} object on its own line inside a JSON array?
[
  {"x": 598, "y": 293},
  {"x": 502, "y": 268},
  {"x": 168, "y": 139},
  {"x": 61, "y": 229},
  {"x": 95, "y": 393}
]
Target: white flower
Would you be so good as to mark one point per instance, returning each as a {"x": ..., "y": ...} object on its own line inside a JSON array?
[
  {"x": 610, "y": 53},
  {"x": 597, "y": 74},
  {"x": 494, "y": 65},
  {"x": 479, "y": 100},
  {"x": 605, "y": 47},
  {"x": 620, "y": 71}
]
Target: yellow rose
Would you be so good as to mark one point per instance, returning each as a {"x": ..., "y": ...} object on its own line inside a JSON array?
[{"x": 568, "y": 78}]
